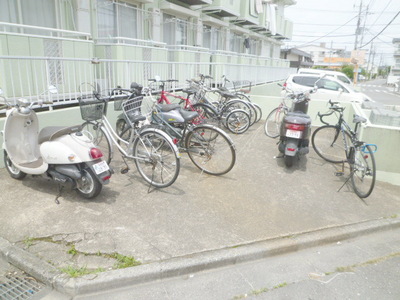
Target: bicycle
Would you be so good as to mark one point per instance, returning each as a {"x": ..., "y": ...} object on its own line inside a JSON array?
[
  {"x": 235, "y": 119},
  {"x": 358, "y": 154},
  {"x": 156, "y": 157},
  {"x": 208, "y": 147},
  {"x": 274, "y": 119}
]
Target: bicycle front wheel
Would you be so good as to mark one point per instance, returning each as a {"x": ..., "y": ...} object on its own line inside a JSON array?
[
  {"x": 363, "y": 172},
  {"x": 211, "y": 149},
  {"x": 99, "y": 138},
  {"x": 330, "y": 144},
  {"x": 273, "y": 122},
  {"x": 156, "y": 159}
]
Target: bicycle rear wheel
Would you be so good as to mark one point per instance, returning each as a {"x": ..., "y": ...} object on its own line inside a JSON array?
[
  {"x": 363, "y": 172},
  {"x": 211, "y": 149},
  {"x": 156, "y": 159},
  {"x": 100, "y": 139},
  {"x": 237, "y": 121},
  {"x": 330, "y": 144},
  {"x": 273, "y": 122}
]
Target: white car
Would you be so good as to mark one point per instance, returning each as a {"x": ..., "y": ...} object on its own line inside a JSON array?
[{"x": 328, "y": 88}]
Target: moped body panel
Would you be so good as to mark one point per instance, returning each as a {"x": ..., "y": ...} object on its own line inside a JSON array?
[{"x": 68, "y": 149}]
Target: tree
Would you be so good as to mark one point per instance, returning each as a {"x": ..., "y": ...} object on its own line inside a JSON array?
[{"x": 348, "y": 70}]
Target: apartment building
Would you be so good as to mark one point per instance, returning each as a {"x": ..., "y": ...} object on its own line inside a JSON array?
[{"x": 116, "y": 42}]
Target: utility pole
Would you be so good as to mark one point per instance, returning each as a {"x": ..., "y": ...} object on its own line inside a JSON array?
[
  {"x": 355, "y": 74},
  {"x": 369, "y": 61}
]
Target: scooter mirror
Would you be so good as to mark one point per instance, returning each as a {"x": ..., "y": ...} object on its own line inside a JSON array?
[
  {"x": 53, "y": 89},
  {"x": 157, "y": 78}
]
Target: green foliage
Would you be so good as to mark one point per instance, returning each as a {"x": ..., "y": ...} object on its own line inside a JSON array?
[
  {"x": 348, "y": 70},
  {"x": 72, "y": 250},
  {"x": 124, "y": 261},
  {"x": 74, "y": 272}
]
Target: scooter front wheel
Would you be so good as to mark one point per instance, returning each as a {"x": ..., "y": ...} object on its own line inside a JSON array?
[
  {"x": 88, "y": 186},
  {"x": 12, "y": 169}
]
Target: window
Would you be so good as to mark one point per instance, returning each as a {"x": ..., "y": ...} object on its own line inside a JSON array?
[
  {"x": 329, "y": 85},
  {"x": 235, "y": 42},
  {"x": 29, "y": 13},
  {"x": 344, "y": 79},
  {"x": 306, "y": 81},
  {"x": 211, "y": 37},
  {"x": 117, "y": 19},
  {"x": 174, "y": 30}
]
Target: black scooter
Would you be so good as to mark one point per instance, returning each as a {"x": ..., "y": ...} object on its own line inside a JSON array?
[{"x": 295, "y": 129}]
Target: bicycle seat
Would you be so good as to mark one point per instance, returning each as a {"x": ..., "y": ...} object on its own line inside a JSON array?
[
  {"x": 189, "y": 91},
  {"x": 188, "y": 115},
  {"x": 48, "y": 134},
  {"x": 167, "y": 107},
  {"x": 359, "y": 119}
]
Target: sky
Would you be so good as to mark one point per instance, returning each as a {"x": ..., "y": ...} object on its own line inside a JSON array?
[{"x": 334, "y": 22}]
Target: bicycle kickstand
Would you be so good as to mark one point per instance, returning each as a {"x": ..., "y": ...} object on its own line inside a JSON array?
[
  {"x": 341, "y": 172},
  {"x": 351, "y": 174}
]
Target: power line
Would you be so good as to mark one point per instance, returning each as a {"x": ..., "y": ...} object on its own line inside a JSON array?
[{"x": 381, "y": 30}]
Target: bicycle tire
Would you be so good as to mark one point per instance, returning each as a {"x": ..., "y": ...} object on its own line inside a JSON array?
[
  {"x": 256, "y": 108},
  {"x": 100, "y": 139},
  {"x": 273, "y": 122},
  {"x": 156, "y": 159},
  {"x": 210, "y": 149},
  {"x": 327, "y": 142},
  {"x": 259, "y": 111},
  {"x": 240, "y": 104},
  {"x": 237, "y": 121},
  {"x": 206, "y": 114},
  {"x": 363, "y": 172}
]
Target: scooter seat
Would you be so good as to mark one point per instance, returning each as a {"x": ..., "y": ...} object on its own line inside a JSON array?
[
  {"x": 48, "y": 134},
  {"x": 298, "y": 118},
  {"x": 188, "y": 115}
]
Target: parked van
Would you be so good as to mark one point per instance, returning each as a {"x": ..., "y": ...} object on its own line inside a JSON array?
[{"x": 337, "y": 75}]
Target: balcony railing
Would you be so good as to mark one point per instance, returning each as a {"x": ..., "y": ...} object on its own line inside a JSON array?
[
  {"x": 29, "y": 77},
  {"x": 21, "y": 29}
]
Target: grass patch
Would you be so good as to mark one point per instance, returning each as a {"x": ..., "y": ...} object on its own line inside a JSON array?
[
  {"x": 124, "y": 261},
  {"x": 72, "y": 250},
  {"x": 74, "y": 272}
]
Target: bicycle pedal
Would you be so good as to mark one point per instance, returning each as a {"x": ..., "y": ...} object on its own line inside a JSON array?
[
  {"x": 124, "y": 170},
  {"x": 339, "y": 173}
]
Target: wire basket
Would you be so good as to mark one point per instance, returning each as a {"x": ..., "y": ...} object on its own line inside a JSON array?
[
  {"x": 92, "y": 109},
  {"x": 242, "y": 86},
  {"x": 118, "y": 100},
  {"x": 133, "y": 109}
]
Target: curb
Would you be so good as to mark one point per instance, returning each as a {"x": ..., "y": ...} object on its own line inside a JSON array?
[{"x": 188, "y": 264}]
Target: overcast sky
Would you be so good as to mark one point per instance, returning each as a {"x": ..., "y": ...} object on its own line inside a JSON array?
[{"x": 334, "y": 22}]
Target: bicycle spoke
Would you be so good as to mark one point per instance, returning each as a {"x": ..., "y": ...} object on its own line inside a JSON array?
[{"x": 363, "y": 173}]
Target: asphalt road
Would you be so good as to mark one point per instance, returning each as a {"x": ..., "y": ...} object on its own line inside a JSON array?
[{"x": 378, "y": 91}]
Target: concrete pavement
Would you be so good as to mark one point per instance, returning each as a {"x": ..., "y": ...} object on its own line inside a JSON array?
[{"x": 258, "y": 209}]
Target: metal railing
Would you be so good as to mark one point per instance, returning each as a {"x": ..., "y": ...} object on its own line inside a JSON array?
[{"x": 29, "y": 77}]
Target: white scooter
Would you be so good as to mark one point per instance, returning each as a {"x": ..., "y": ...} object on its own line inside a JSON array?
[{"x": 63, "y": 154}]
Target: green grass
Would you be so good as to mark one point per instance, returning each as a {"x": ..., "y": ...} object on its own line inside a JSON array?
[{"x": 74, "y": 271}]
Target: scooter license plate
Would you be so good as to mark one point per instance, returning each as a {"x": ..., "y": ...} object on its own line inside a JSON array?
[
  {"x": 100, "y": 167},
  {"x": 293, "y": 134}
]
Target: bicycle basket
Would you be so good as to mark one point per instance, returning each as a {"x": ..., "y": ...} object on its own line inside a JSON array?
[
  {"x": 132, "y": 108},
  {"x": 118, "y": 99},
  {"x": 243, "y": 86},
  {"x": 92, "y": 109}
]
